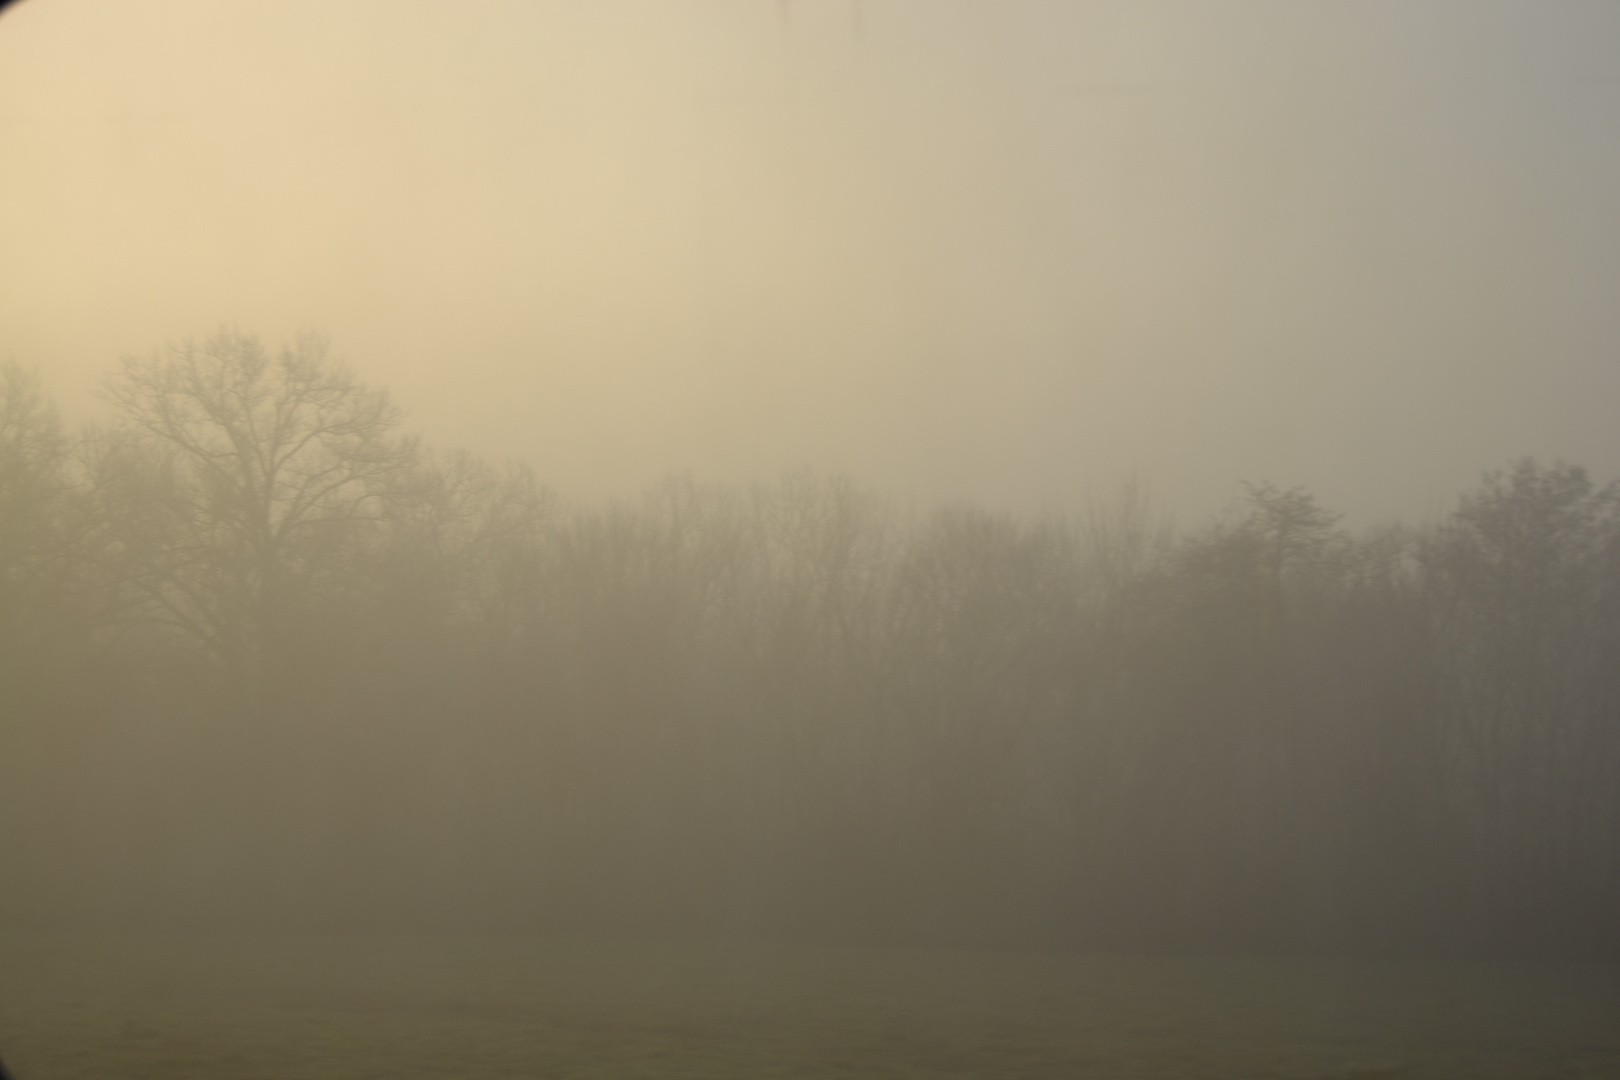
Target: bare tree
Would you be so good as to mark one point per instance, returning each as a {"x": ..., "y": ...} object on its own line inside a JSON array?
[
  {"x": 238, "y": 478},
  {"x": 33, "y": 486},
  {"x": 32, "y": 453}
]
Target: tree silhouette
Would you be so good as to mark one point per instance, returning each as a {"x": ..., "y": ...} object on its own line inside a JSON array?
[{"x": 240, "y": 478}]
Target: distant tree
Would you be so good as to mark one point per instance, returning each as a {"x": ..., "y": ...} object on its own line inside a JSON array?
[
  {"x": 1224, "y": 718},
  {"x": 33, "y": 483},
  {"x": 48, "y": 680},
  {"x": 32, "y": 453},
  {"x": 1516, "y": 571},
  {"x": 1523, "y": 579}
]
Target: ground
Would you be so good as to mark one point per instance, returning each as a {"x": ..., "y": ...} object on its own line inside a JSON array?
[{"x": 347, "y": 1007}]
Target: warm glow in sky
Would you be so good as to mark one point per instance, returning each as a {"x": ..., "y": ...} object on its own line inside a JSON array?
[{"x": 1009, "y": 252}]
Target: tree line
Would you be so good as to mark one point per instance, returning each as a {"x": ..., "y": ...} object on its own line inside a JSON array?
[{"x": 268, "y": 661}]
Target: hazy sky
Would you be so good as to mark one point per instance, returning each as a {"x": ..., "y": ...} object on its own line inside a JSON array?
[{"x": 1003, "y": 250}]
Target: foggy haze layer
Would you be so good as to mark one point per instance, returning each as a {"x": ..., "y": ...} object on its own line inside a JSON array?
[{"x": 999, "y": 252}]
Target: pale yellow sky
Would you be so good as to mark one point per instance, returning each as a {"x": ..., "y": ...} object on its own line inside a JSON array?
[{"x": 1002, "y": 251}]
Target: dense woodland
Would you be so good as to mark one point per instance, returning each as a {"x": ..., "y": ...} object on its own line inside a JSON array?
[{"x": 268, "y": 662}]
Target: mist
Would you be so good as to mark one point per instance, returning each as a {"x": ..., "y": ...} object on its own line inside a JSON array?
[
  {"x": 1008, "y": 254},
  {"x": 274, "y": 663},
  {"x": 552, "y": 517}
]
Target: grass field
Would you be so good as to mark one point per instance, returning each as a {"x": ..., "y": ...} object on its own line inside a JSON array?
[{"x": 476, "y": 1008}]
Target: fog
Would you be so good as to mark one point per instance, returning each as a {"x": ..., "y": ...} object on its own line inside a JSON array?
[
  {"x": 1008, "y": 253},
  {"x": 1057, "y": 475}
]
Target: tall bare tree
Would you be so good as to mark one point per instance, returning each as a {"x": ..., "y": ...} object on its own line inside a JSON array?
[{"x": 238, "y": 478}]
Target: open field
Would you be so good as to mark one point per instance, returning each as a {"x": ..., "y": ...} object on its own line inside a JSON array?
[{"x": 474, "y": 1008}]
